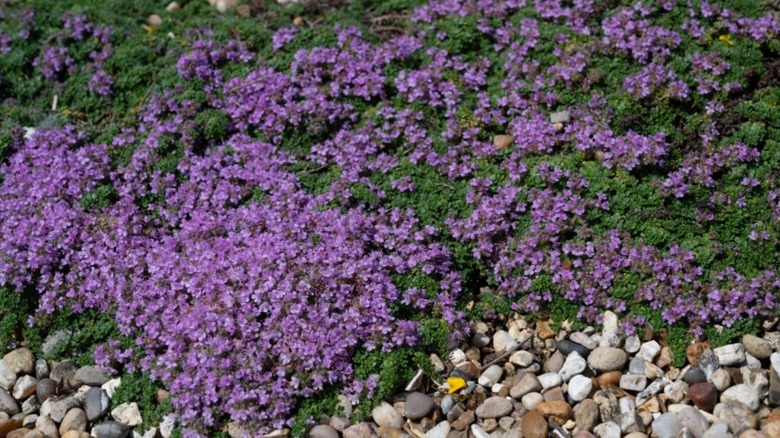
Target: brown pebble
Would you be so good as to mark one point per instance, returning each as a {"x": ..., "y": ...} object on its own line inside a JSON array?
[
  {"x": 464, "y": 421},
  {"x": 704, "y": 395},
  {"x": 559, "y": 411},
  {"x": 298, "y": 21},
  {"x": 665, "y": 358},
  {"x": 694, "y": 351},
  {"x": 503, "y": 141},
  {"x": 610, "y": 378},
  {"x": 543, "y": 330},
  {"x": 533, "y": 425},
  {"x": 154, "y": 20},
  {"x": 554, "y": 394}
]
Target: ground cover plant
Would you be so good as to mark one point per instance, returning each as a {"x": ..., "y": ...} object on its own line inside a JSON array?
[{"x": 268, "y": 208}]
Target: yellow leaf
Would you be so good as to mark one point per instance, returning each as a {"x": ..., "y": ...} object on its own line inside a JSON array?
[
  {"x": 456, "y": 384},
  {"x": 149, "y": 29},
  {"x": 726, "y": 39}
]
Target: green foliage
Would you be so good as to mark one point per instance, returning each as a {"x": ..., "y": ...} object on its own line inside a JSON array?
[
  {"x": 102, "y": 197},
  {"x": 138, "y": 387},
  {"x": 394, "y": 369}
]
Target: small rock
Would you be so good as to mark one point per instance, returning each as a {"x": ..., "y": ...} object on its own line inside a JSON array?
[
  {"x": 543, "y": 330},
  {"x": 694, "y": 375},
  {"x": 566, "y": 347},
  {"x": 502, "y": 141},
  {"x": 649, "y": 350},
  {"x": 637, "y": 365},
  {"x": 694, "y": 420},
  {"x": 7, "y": 376},
  {"x": 111, "y": 386},
  {"x": 91, "y": 375},
  {"x": 579, "y": 387},
  {"x": 708, "y": 363},
  {"x": 665, "y": 358},
  {"x": 607, "y": 359},
  {"x": 608, "y": 430},
  {"x": 573, "y": 366},
  {"x": 703, "y": 395},
  {"x": 581, "y": 338},
  {"x": 533, "y": 425},
  {"x": 323, "y": 431},
  {"x": 560, "y": 117},
  {"x": 550, "y": 380},
  {"x": 653, "y": 371},
  {"x": 7, "y": 403},
  {"x": 631, "y": 382},
  {"x": 25, "y": 387},
  {"x": 491, "y": 376},
  {"x": 464, "y": 421},
  {"x": 757, "y": 347},
  {"x": 608, "y": 405},
  {"x": 173, "y": 7},
  {"x": 654, "y": 388},
  {"x": 632, "y": 344},
  {"x": 721, "y": 379},
  {"x": 757, "y": 379},
  {"x": 676, "y": 391},
  {"x": 384, "y": 415},
  {"x": 20, "y": 361},
  {"x": 521, "y": 358},
  {"x": 732, "y": 354},
  {"x": 53, "y": 339},
  {"x": 503, "y": 341},
  {"x": 555, "y": 362},
  {"x": 45, "y": 389},
  {"x": 56, "y": 407},
  {"x": 226, "y": 5},
  {"x": 737, "y": 415},
  {"x": 718, "y": 430},
  {"x": 506, "y": 423},
  {"x": 31, "y": 405},
  {"x": 129, "y": 414},
  {"x": 558, "y": 411},
  {"x": 694, "y": 351},
  {"x": 478, "y": 432},
  {"x": 447, "y": 403},
  {"x": 742, "y": 393},
  {"x": 75, "y": 419},
  {"x": 64, "y": 375},
  {"x": 631, "y": 422},
  {"x": 47, "y": 427},
  {"x": 418, "y": 406},
  {"x": 41, "y": 369},
  {"x": 666, "y": 426},
  {"x": 531, "y": 400},
  {"x": 437, "y": 363},
  {"x": 610, "y": 378},
  {"x": 494, "y": 407},
  {"x": 154, "y": 20},
  {"x": 441, "y": 430},
  {"x": 587, "y": 414},
  {"x": 113, "y": 429}
]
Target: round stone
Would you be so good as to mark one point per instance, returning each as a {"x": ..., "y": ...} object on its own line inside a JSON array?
[
  {"x": 559, "y": 411},
  {"x": 666, "y": 426},
  {"x": 528, "y": 383},
  {"x": 441, "y": 430},
  {"x": 20, "y": 361},
  {"x": 703, "y": 395},
  {"x": 494, "y": 407},
  {"x": 418, "y": 406},
  {"x": 742, "y": 393},
  {"x": 75, "y": 419},
  {"x": 385, "y": 415},
  {"x": 111, "y": 429},
  {"x": 533, "y": 425},
  {"x": 579, "y": 387},
  {"x": 566, "y": 347},
  {"x": 323, "y": 431},
  {"x": 757, "y": 347},
  {"x": 607, "y": 359},
  {"x": 737, "y": 415},
  {"x": 531, "y": 400},
  {"x": 694, "y": 420},
  {"x": 586, "y": 416}
]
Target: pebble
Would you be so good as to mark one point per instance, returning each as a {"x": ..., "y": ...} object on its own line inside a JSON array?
[
  {"x": 634, "y": 383},
  {"x": 757, "y": 347},
  {"x": 567, "y": 347},
  {"x": 694, "y": 351},
  {"x": 113, "y": 429},
  {"x": 649, "y": 350},
  {"x": 64, "y": 375},
  {"x": 503, "y": 141},
  {"x": 44, "y": 389},
  {"x": 7, "y": 403},
  {"x": 533, "y": 425},
  {"x": 20, "y": 360},
  {"x": 75, "y": 419},
  {"x": 447, "y": 403},
  {"x": 574, "y": 365},
  {"x": 527, "y": 383},
  {"x": 384, "y": 414},
  {"x": 521, "y": 358},
  {"x": 704, "y": 395},
  {"x": 531, "y": 400},
  {"x": 7, "y": 376},
  {"x": 494, "y": 407},
  {"x": 738, "y": 416},
  {"x": 579, "y": 387},
  {"x": 586, "y": 341},
  {"x": 503, "y": 341},
  {"x": 326, "y": 431},
  {"x": 491, "y": 376},
  {"x": 558, "y": 410},
  {"x": 632, "y": 344},
  {"x": 41, "y": 369},
  {"x": 694, "y": 420},
  {"x": 742, "y": 393},
  {"x": 676, "y": 391},
  {"x": 608, "y": 430},
  {"x": 666, "y": 426},
  {"x": 637, "y": 365},
  {"x": 721, "y": 379},
  {"x": 441, "y": 430},
  {"x": 587, "y": 416},
  {"x": 24, "y": 387},
  {"x": 718, "y": 430},
  {"x": 607, "y": 359},
  {"x": 173, "y": 7},
  {"x": 57, "y": 407},
  {"x": 549, "y": 380},
  {"x": 732, "y": 354},
  {"x": 560, "y": 117},
  {"x": 91, "y": 375},
  {"x": 417, "y": 406}
]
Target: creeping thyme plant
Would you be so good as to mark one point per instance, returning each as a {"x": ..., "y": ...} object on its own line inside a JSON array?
[{"x": 266, "y": 210}]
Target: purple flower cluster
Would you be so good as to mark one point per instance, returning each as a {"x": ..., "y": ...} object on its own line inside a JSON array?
[{"x": 246, "y": 291}]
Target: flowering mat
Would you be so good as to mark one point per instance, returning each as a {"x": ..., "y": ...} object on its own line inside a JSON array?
[{"x": 261, "y": 209}]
